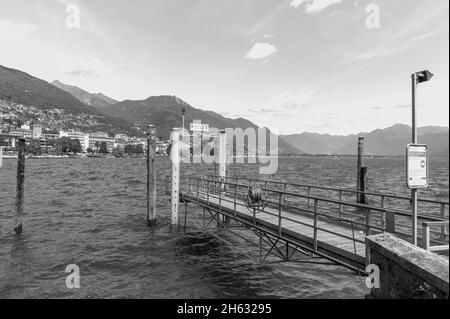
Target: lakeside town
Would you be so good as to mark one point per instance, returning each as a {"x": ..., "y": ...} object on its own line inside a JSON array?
[{"x": 55, "y": 132}]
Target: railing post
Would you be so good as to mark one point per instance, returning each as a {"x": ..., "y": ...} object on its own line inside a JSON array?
[
  {"x": 284, "y": 193},
  {"x": 366, "y": 247},
  {"x": 175, "y": 158},
  {"x": 443, "y": 217},
  {"x": 309, "y": 195},
  {"x": 185, "y": 214},
  {"x": 279, "y": 214},
  {"x": 190, "y": 187},
  {"x": 198, "y": 191},
  {"x": 367, "y": 222},
  {"x": 220, "y": 217},
  {"x": 426, "y": 237},
  {"x": 18, "y": 217},
  {"x": 204, "y": 218},
  {"x": 340, "y": 204},
  {"x": 383, "y": 213},
  {"x": 316, "y": 222},
  {"x": 390, "y": 222},
  {"x": 207, "y": 192},
  {"x": 235, "y": 199}
]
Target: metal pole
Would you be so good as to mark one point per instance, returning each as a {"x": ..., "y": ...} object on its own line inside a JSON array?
[
  {"x": 414, "y": 141},
  {"x": 175, "y": 158},
  {"x": 222, "y": 156},
  {"x": 359, "y": 167},
  {"x": 1, "y": 156},
  {"x": 183, "y": 111},
  {"x": 222, "y": 159}
]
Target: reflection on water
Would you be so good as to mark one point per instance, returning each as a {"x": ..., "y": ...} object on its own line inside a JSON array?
[{"x": 90, "y": 212}]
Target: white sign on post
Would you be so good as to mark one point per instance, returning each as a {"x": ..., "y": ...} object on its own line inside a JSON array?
[
  {"x": 197, "y": 126},
  {"x": 417, "y": 166}
]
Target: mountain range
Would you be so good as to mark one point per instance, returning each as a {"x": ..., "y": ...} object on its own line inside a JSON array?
[
  {"x": 390, "y": 141},
  {"x": 98, "y": 112}
]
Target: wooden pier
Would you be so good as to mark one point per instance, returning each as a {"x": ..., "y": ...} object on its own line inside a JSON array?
[{"x": 311, "y": 221}]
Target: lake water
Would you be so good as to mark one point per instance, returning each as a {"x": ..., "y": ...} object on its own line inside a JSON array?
[{"x": 91, "y": 212}]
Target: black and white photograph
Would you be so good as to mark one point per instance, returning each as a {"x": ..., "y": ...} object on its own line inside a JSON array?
[{"x": 228, "y": 156}]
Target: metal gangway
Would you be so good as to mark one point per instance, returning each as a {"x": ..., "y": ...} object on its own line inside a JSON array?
[{"x": 309, "y": 220}]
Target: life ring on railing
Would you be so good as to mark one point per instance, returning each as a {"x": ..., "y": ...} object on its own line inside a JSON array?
[{"x": 255, "y": 199}]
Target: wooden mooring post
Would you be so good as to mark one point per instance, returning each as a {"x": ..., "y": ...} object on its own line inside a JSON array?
[
  {"x": 151, "y": 175},
  {"x": 361, "y": 179},
  {"x": 18, "y": 217},
  {"x": 1, "y": 156}
]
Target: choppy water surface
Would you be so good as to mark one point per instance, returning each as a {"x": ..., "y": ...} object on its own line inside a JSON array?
[{"x": 91, "y": 212}]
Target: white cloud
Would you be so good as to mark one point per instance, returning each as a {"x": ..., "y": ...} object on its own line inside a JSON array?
[
  {"x": 11, "y": 32},
  {"x": 285, "y": 104},
  {"x": 290, "y": 100},
  {"x": 261, "y": 51},
  {"x": 314, "y": 6}
]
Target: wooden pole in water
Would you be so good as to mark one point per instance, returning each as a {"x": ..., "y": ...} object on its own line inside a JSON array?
[
  {"x": 151, "y": 175},
  {"x": 359, "y": 196},
  {"x": 18, "y": 217},
  {"x": 175, "y": 158},
  {"x": 363, "y": 185},
  {"x": 1, "y": 156}
]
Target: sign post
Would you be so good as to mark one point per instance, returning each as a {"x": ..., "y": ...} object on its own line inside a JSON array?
[
  {"x": 417, "y": 178},
  {"x": 198, "y": 126},
  {"x": 417, "y": 166}
]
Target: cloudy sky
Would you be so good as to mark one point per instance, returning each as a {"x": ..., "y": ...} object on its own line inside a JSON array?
[{"x": 328, "y": 66}]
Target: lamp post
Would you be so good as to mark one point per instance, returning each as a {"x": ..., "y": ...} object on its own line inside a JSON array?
[
  {"x": 183, "y": 111},
  {"x": 416, "y": 78}
]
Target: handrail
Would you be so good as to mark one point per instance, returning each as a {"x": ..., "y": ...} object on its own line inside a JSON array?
[
  {"x": 210, "y": 186},
  {"x": 333, "y": 201},
  {"x": 427, "y": 238},
  {"x": 425, "y": 200},
  {"x": 388, "y": 214}
]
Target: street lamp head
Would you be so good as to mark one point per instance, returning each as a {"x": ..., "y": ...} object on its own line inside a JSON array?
[
  {"x": 151, "y": 130},
  {"x": 424, "y": 76}
]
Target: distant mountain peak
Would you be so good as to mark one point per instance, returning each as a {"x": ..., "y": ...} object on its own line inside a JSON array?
[
  {"x": 92, "y": 99},
  {"x": 388, "y": 141}
]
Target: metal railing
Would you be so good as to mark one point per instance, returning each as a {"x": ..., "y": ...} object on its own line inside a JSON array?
[
  {"x": 370, "y": 218},
  {"x": 427, "y": 238},
  {"x": 391, "y": 219},
  {"x": 204, "y": 189}
]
